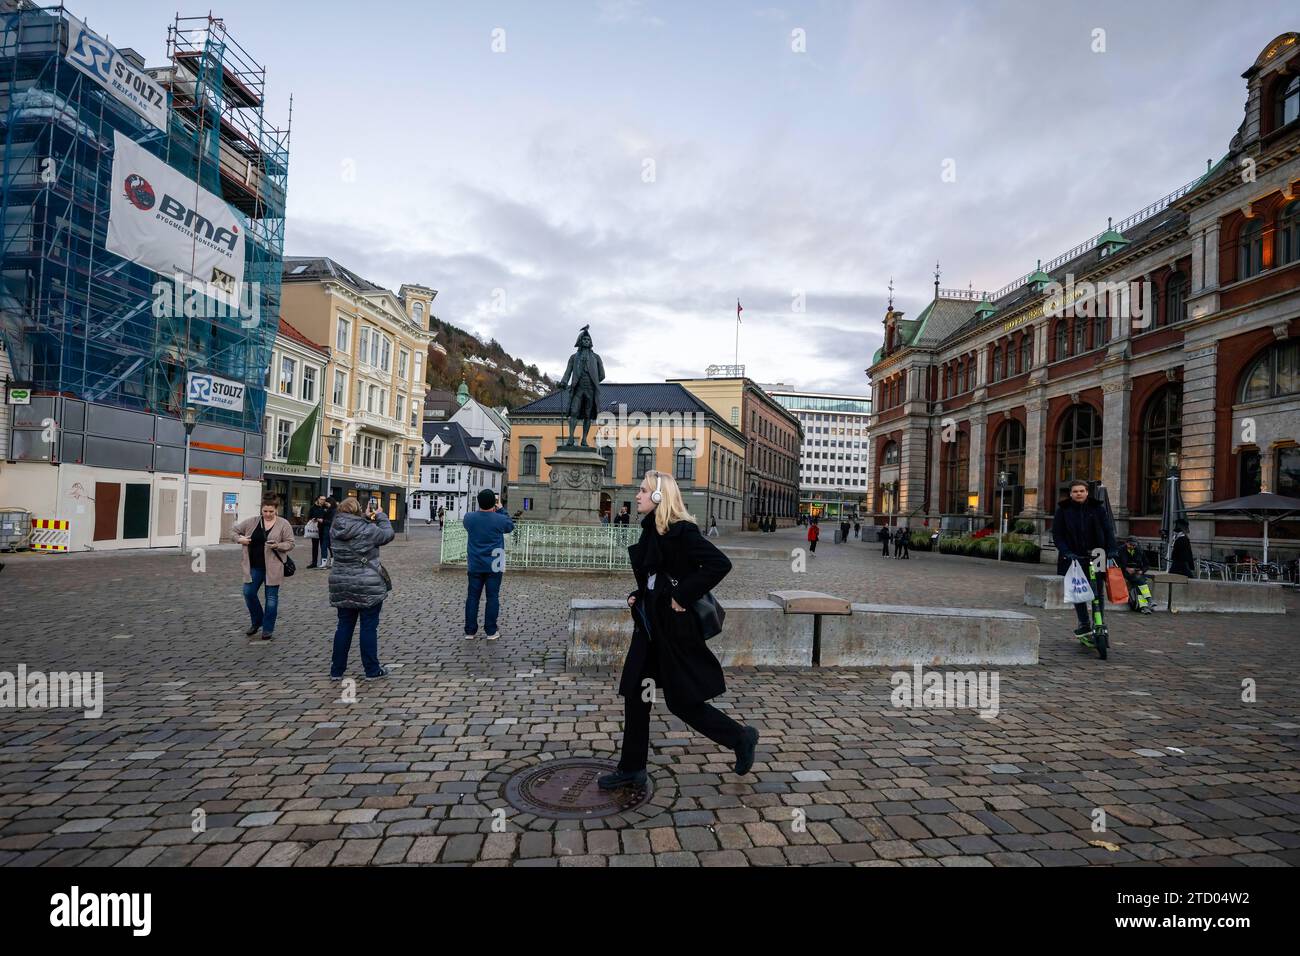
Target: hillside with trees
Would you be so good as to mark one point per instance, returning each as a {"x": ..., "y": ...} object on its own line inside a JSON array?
[{"x": 494, "y": 376}]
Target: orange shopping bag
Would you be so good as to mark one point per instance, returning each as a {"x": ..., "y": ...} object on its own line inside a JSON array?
[{"x": 1116, "y": 586}]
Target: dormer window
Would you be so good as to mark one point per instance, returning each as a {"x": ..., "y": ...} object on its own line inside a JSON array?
[{"x": 1288, "y": 102}]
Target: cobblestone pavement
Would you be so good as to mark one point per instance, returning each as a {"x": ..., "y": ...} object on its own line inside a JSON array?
[{"x": 1158, "y": 737}]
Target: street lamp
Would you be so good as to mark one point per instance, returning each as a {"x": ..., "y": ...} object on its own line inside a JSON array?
[
  {"x": 1002, "y": 509},
  {"x": 190, "y": 417},
  {"x": 331, "y": 449},
  {"x": 410, "y": 470}
]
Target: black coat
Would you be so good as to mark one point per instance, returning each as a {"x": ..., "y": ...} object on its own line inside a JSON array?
[
  {"x": 674, "y": 653},
  {"x": 1182, "y": 561},
  {"x": 1079, "y": 529}
]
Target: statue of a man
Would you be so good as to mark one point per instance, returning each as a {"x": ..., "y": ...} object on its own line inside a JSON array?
[{"x": 582, "y": 378}]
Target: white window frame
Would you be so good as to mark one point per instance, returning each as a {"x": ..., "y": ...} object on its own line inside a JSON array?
[
  {"x": 403, "y": 362},
  {"x": 340, "y": 388},
  {"x": 386, "y": 354},
  {"x": 343, "y": 336},
  {"x": 308, "y": 379},
  {"x": 363, "y": 344},
  {"x": 283, "y": 438},
  {"x": 292, "y": 363}
]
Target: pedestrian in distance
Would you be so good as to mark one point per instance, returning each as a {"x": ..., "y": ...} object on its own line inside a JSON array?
[
  {"x": 486, "y": 530},
  {"x": 1133, "y": 563},
  {"x": 1181, "y": 559},
  {"x": 358, "y": 585},
  {"x": 1080, "y": 527},
  {"x": 674, "y": 566},
  {"x": 902, "y": 547},
  {"x": 883, "y": 537},
  {"x": 844, "y": 530},
  {"x": 319, "y": 535},
  {"x": 814, "y": 533},
  {"x": 857, "y": 530},
  {"x": 441, "y": 511},
  {"x": 713, "y": 527},
  {"x": 266, "y": 537}
]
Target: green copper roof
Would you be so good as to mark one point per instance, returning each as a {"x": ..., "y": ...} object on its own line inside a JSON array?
[
  {"x": 462, "y": 394},
  {"x": 986, "y": 308},
  {"x": 1111, "y": 237},
  {"x": 1038, "y": 275}
]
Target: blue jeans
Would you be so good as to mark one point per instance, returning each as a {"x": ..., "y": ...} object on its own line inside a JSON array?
[
  {"x": 477, "y": 580},
  {"x": 369, "y": 639},
  {"x": 265, "y": 619}
]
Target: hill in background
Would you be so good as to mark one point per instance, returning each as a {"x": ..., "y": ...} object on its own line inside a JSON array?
[{"x": 495, "y": 378}]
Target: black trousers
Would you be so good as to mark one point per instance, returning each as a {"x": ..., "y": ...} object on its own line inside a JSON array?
[
  {"x": 1083, "y": 611},
  {"x": 885, "y": 547},
  {"x": 701, "y": 716}
]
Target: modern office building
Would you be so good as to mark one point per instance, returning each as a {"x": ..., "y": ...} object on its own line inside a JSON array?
[{"x": 833, "y": 455}]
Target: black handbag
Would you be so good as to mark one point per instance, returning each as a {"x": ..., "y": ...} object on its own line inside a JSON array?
[
  {"x": 708, "y": 612},
  {"x": 290, "y": 569}
]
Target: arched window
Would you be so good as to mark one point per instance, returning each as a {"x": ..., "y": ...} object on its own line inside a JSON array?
[
  {"x": 645, "y": 461},
  {"x": 1080, "y": 343},
  {"x": 528, "y": 466},
  {"x": 956, "y": 473},
  {"x": 1027, "y": 351},
  {"x": 1250, "y": 249},
  {"x": 1062, "y": 343},
  {"x": 1288, "y": 232},
  {"x": 1175, "y": 309},
  {"x": 1009, "y": 453},
  {"x": 1078, "y": 451},
  {"x": 418, "y": 310},
  {"x": 684, "y": 469},
  {"x": 890, "y": 456},
  {"x": 1288, "y": 102},
  {"x": 1162, "y": 434},
  {"x": 608, "y": 454},
  {"x": 1273, "y": 374}
]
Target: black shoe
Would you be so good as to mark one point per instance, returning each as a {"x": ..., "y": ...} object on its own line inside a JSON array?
[
  {"x": 1083, "y": 630},
  {"x": 382, "y": 672},
  {"x": 745, "y": 752},
  {"x": 252, "y": 630},
  {"x": 622, "y": 778}
]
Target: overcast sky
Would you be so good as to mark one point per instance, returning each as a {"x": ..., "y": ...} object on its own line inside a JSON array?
[{"x": 639, "y": 166}]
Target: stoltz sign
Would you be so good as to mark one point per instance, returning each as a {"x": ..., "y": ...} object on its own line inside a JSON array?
[
  {"x": 218, "y": 392},
  {"x": 99, "y": 59}
]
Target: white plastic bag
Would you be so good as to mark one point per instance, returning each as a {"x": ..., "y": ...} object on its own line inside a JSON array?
[
  {"x": 312, "y": 529},
  {"x": 1077, "y": 588}
]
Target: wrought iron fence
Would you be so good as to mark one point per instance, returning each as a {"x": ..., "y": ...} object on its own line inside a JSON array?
[{"x": 534, "y": 544}]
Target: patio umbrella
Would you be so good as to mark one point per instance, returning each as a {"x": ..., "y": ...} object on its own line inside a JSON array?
[
  {"x": 1172, "y": 511},
  {"x": 1263, "y": 507}
]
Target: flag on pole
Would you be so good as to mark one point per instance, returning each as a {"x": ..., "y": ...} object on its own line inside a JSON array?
[{"x": 738, "y": 310}]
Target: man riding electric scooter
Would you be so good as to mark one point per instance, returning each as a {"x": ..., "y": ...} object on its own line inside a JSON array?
[{"x": 1080, "y": 526}]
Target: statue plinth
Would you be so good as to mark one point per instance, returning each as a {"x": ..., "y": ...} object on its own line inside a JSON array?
[{"x": 577, "y": 476}]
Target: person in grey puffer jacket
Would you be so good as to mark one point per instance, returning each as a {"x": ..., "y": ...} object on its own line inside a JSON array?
[{"x": 357, "y": 588}]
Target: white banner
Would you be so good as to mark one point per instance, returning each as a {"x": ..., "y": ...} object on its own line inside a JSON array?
[
  {"x": 168, "y": 223},
  {"x": 99, "y": 60},
  {"x": 204, "y": 389}
]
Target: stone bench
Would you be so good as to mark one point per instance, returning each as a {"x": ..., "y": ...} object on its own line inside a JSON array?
[
  {"x": 1177, "y": 593},
  {"x": 892, "y": 635},
  {"x": 809, "y": 629}
]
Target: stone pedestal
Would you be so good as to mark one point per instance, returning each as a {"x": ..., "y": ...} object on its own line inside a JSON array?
[{"x": 577, "y": 475}]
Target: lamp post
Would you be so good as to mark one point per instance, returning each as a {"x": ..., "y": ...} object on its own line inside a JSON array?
[
  {"x": 331, "y": 449},
  {"x": 1002, "y": 509},
  {"x": 410, "y": 470},
  {"x": 190, "y": 418}
]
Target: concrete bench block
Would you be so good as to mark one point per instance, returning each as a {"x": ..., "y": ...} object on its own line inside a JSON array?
[
  {"x": 888, "y": 635},
  {"x": 808, "y": 602},
  {"x": 757, "y": 633},
  {"x": 1176, "y": 590}
]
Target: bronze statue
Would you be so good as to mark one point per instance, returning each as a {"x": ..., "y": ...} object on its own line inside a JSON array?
[{"x": 582, "y": 377}]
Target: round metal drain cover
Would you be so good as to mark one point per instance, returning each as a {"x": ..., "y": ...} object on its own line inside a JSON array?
[{"x": 566, "y": 790}]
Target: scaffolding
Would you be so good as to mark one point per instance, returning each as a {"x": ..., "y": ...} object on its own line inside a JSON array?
[{"x": 79, "y": 321}]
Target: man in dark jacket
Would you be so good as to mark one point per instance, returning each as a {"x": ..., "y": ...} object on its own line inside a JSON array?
[
  {"x": 882, "y": 535},
  {"x": 1079, "y": 527},
  {"x": 901, "y": 544},
  {"x": 486, "y": 529},
  {"x": 1133, "y": 563}
]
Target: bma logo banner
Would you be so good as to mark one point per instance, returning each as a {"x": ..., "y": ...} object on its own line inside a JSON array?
[
  {"x": 166, "y": 222},
  {"x": 98, "y": 59},
  {"x": 217, "y": 392}
]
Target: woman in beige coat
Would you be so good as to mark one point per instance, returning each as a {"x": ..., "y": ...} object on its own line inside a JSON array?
[{"x": 266, "y": 538}]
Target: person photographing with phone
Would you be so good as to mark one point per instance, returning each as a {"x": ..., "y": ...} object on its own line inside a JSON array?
[
  {"x": 675, "y": 567},
  {"x": 486, "y": 530},
  {"x": 358, "y": 583}
]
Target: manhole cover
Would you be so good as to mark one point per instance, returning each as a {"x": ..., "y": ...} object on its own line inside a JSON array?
[{"x": 566, "y": 790}]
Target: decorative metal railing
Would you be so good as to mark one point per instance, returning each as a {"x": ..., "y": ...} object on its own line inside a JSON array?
[{"x": 535, "y": 544}]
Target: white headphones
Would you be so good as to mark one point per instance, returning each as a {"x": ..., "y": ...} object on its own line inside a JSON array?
[{"x": 656, "y": 496}]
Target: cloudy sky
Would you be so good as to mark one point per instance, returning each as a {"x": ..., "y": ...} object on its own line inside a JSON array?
[{"x": 640, "y": 166}]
